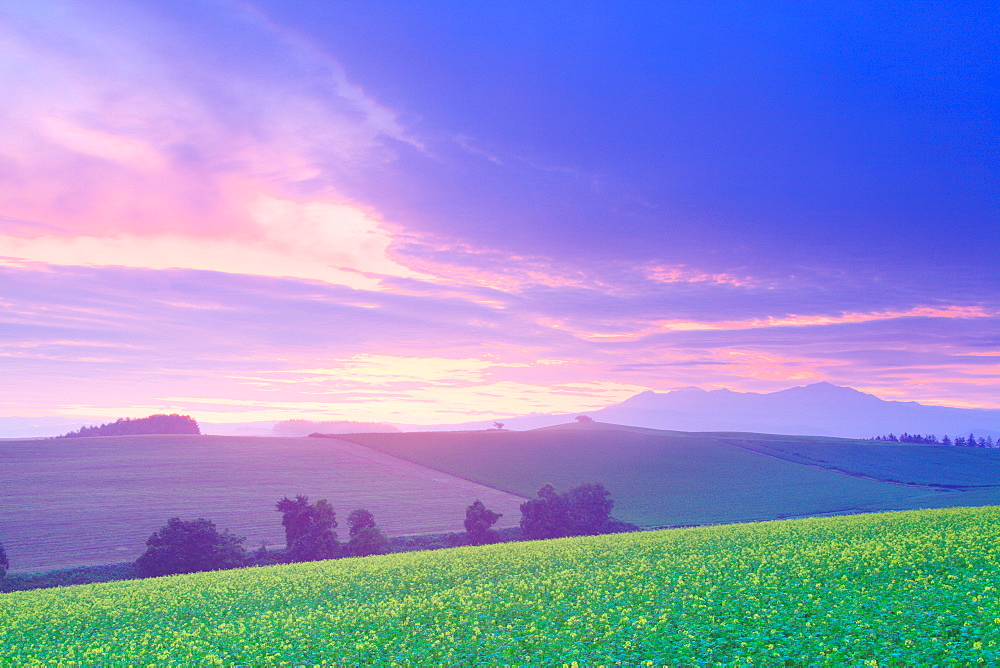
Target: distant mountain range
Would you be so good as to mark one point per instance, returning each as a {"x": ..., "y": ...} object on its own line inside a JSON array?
[{"x": 820, "y": 409}]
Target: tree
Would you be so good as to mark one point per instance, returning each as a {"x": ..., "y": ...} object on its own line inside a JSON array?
[
  {"x": 589, "y": 508},
  {"x": 360, "y": 519},
  {"x": 583, "y": 418},
  {"x": 295, "y": 517},
  {"x": 189, "y": 547},
  {"x": 546, "y": 516},
  {"x": 583, "y": 510},
  {"x": 4, "y": 562},
  {"x": 366, "y": 538},
  {"x": 478, "y": 522},
  {"x": 368, "y": 541},
  {"x": 309, "y": 529},
  {"x": 498, "y": 425}
]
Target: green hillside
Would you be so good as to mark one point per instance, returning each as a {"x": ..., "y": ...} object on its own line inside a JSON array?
[
  {"x": 902, "y": 462},
  {"x": 662, "y": 478},
  {"x": 915, "y": 588}
]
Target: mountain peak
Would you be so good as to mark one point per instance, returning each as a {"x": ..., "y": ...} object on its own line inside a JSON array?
[
  {"x": 823, "y": 388},
  {"x": 819, "y": 409}
]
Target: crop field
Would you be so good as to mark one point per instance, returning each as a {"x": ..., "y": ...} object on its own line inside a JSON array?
[
  {"x": 77, "y": 502},
  {"x": 901, "y": 462},
  {"x": 911, "y": 588},
  {"x": 667, "y": 478}
]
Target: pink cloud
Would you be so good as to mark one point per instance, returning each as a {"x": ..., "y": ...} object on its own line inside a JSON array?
[
  {"x": 121, "y": 157},
  {"x": 662, "y": 326}
]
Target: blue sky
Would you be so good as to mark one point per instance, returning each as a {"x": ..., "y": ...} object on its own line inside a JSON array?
[{"x": 435, "y": 211}]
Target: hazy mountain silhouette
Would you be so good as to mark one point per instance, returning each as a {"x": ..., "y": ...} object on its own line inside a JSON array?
[{"x": 821, "y": 409}]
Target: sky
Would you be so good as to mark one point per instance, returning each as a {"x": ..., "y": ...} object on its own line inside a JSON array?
[{"x": 446, "y": 211}]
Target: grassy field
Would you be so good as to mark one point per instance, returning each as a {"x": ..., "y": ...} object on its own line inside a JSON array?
[
  {"x": 915, "y": 588},
  {"x": 672, "y": 478},
  {"x": 902, "y": 462},
  {"x": 77, "y": 502},
  {"x": 80, "y": 502}
]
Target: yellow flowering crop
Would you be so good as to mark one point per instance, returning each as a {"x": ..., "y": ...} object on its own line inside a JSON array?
[{"x": 911, "y": 588}]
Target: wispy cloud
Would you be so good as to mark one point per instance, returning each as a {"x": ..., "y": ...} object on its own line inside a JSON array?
[
  {"x": 228, "y": 347},
  {"x": 662, "y": 326},
  {"x": 124, "y": 156}
]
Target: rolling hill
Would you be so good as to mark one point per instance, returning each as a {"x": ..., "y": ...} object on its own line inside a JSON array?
[
  {"x": 907, "y": 589},
  {"x": 86, "y": 501},
  {"x": 661, "y": 478},
  {"x": 76, "y": 502}
]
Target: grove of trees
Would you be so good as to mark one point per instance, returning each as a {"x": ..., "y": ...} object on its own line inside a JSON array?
[
  {"x": 310, "y": 532},
  {"x": 583, "y": 510},
  {"x": 154, "y": 424},
  {"x": 931, "y": 439}
]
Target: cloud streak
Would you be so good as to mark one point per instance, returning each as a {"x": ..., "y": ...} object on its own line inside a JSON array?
[
  {"x": 236, "y": 348},
  {"x": 138, "y": 167}
]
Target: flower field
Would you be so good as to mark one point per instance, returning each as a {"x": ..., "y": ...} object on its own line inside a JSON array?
[{"x": 917, "y": 587}]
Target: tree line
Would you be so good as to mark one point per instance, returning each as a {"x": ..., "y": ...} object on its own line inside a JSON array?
[
  {"x": 154, "y": 424},
  {"x": 188, "y": 546},
  {"x": 311, "y": 532},
  {"x": 931, "y": 439}
]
